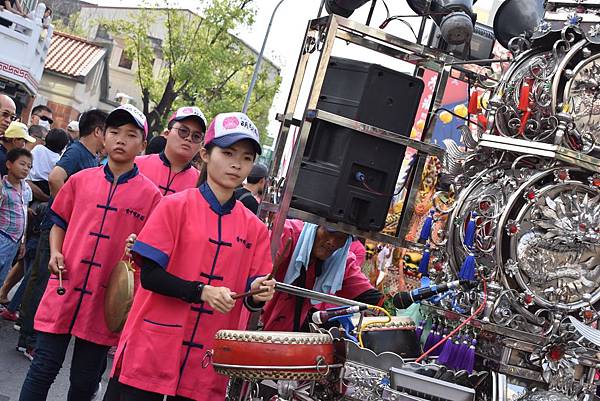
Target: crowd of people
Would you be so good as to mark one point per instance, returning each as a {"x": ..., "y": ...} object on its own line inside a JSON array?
[{"x": 75, "y": 202}]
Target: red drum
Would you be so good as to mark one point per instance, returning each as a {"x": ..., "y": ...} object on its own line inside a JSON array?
[{"x": 274, "y": 355}]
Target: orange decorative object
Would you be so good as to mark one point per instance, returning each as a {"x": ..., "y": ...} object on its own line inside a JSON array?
[
  {"x": 445, "y": 117},
  {"x": 461, "y": 110},
  {"x": 272, "y": 355}
]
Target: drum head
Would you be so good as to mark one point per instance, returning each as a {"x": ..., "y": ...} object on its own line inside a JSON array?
[
  {"x": 118, "y": 297},
  {"x": 398, "y": 322}
]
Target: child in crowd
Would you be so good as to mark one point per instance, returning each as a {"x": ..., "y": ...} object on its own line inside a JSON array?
[
  {"x": 93, "y": 213},
  {"x": 15, "y": 196},
  {"x": 171, "y": 170}
]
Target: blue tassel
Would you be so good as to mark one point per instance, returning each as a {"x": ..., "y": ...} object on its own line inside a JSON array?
[
  {"x": 467, "y": 270},
  {"x": 430, "y": 338},
  {"x": 424, "y": 263},
  {"x": 469, "y": 363},
  {"x": 438, "y": 338},
  {"x": 455, "y": 352},
  {"x": 426, "y": 229},
  {"x": 462, "y": 353},
  {"x": 446, "y": 352},
  {"x": 470, "y": 232}
]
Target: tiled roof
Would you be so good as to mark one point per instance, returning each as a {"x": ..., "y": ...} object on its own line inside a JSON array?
[{"x": 72, "y": 56}]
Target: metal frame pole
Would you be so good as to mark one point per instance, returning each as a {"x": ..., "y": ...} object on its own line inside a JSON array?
[{"x": 300, "y": 145}]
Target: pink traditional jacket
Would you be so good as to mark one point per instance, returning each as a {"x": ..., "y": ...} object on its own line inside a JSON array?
[
  {"x": 158, "y": 169},
  {"x": 358, "y": 249},
  {"x": 165, "y": 340},
  {"x": 98, "y": 215},
  {"x": 279, "y": 313}
]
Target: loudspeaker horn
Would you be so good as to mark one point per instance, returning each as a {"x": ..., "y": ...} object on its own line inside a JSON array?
[
  {"x": 455, "y": 18},
  {"x": 426, "y": 7},
  {"x": 345, "y": 8},
  {"x": 517, "y": 17}
]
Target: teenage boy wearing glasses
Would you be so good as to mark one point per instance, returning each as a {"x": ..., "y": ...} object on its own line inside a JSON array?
[
  {"x": 171, "y": 170},
  {"x": 41, "y": 115}
]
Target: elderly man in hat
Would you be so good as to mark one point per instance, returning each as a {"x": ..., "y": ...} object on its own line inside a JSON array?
[
  {"x": 319, "y": 259},
  {"x": 14, "y": 137}
]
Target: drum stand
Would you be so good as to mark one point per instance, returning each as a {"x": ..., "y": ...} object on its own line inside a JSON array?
[{"x": 243, "y": 390}]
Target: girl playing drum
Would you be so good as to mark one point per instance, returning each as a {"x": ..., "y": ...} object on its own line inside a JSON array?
[{"x": 198, "y": 249}]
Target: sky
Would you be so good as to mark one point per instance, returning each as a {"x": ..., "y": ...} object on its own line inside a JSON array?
[{"x": 289, "y": 26}]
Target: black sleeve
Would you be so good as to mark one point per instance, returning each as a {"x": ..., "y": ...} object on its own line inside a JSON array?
[
  {"x": 250, "y": 203},
  {"x": 253, "y": 306},
  {"x": 156, "y": 279},
  {"x": 371, "y": 297}
]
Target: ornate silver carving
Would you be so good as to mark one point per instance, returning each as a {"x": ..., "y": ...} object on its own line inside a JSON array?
[
  {"x": 583, "y": 93},
  {"x": 364, "y": 382}
]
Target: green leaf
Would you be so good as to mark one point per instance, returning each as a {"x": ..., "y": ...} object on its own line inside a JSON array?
[{"x": 203, "y": 64}]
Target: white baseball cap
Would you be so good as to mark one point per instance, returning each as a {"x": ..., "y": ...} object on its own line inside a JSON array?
[
  {"x": 229, "y": 128},
  {"x": 128, "y": 111},
  {"x": 189, "y": 112},
  {"x": 73, "y": 126}
]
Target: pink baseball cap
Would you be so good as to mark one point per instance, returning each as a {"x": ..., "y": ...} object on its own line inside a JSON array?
[
  {"x": 189, "y": 112},
  {"x": 229, "y": 128},
  {"x": 127, "y": 111}
]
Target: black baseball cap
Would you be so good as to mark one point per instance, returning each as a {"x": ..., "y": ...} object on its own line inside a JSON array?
[{"x": 259, "y": 171}]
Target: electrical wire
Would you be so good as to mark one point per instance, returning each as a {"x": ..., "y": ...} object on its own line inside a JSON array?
[
  {"x": 460, "y": 326},
  {"x": 372, "y": 323},
  {"x": 395, "y": 18},
  {"x": 368, "y": 188},
  {"x": 387, "y": 9}
]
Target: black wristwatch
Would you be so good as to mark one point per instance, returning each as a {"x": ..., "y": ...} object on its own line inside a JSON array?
[{"x": 199, "y": 290}]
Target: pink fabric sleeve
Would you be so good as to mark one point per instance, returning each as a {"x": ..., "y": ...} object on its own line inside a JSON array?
[
  {"x": 156, "y": 198},
  {"x": 355, "y": 282},
  {"x": 290, "y": 230},
  {"x": 358, "y": 249},
  {"x": 261, "y": 263},
  {"x": 63, "y": 204},
  {"x": 157, "y": 239}
]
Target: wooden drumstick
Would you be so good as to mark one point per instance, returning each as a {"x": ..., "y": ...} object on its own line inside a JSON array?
[
  {"x": 278, "y": 262},
  {"x": 249, "y": 293},
  {"x": 60, "y": 290}
]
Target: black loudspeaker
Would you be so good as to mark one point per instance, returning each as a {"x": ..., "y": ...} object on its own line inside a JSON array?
[
  {"x": 517, "y": 17},
  {"x": 347, "y": 176},
  {"x": 480, "y": 46}
]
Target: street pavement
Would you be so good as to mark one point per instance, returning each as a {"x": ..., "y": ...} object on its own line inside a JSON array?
[{"x": 14, "y": 365}]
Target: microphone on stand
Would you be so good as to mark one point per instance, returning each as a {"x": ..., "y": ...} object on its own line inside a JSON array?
[
  {"x": 321, "y": 317},
  {"x": 403, "y": 300}
]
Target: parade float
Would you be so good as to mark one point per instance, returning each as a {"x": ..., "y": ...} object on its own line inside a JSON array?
[{"x": 509, "y": 236}]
